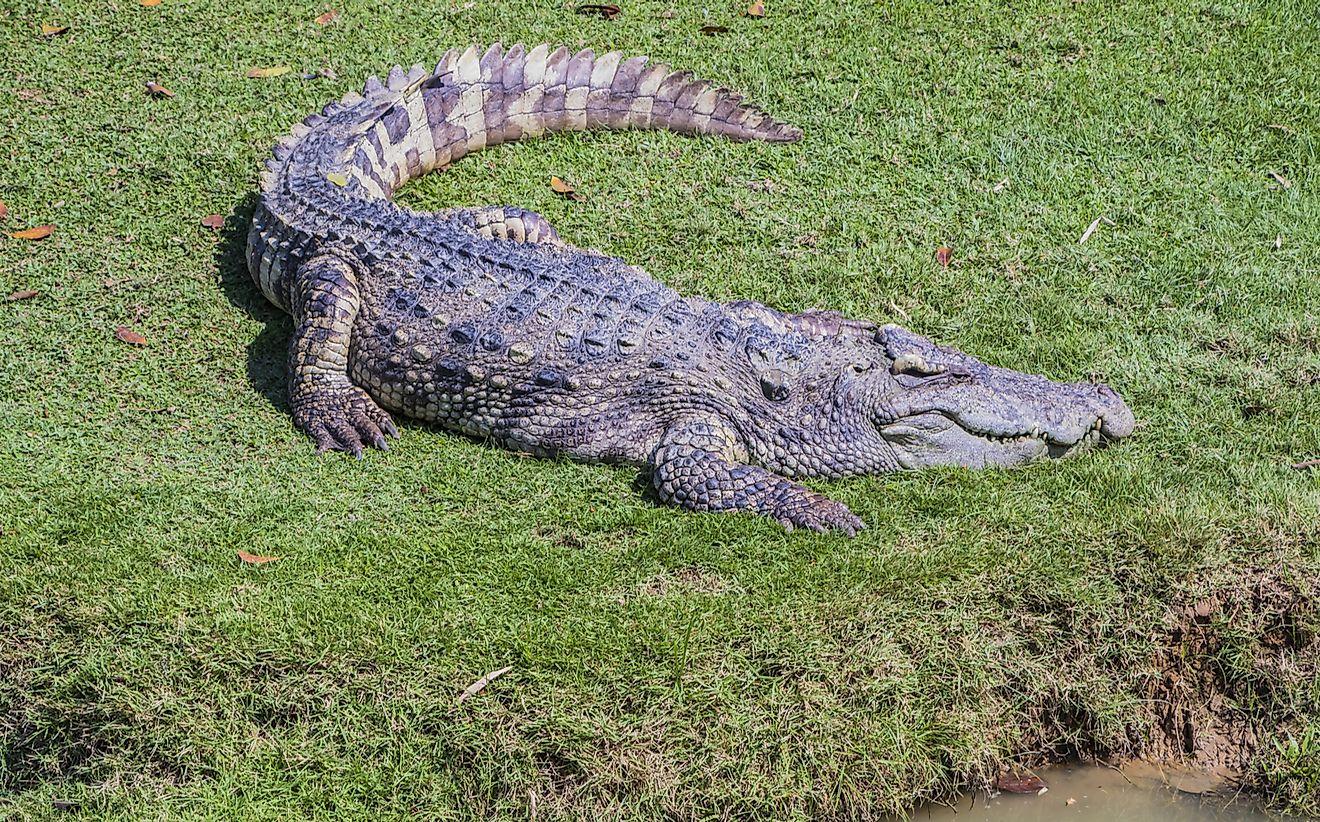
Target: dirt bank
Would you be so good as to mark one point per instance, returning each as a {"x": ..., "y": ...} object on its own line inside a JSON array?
[{"x": 1230, "y": 700}]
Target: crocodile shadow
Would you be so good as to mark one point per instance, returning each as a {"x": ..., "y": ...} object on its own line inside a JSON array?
[{"x": 267, "y": 352}]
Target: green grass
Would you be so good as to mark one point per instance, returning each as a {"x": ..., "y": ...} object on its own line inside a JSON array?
[{"x": 664, "y": 664}]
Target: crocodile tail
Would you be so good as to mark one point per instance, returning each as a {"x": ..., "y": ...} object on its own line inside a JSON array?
[
  {"x": 518, "y": 93},
  {"x": 417, "y": 121}
]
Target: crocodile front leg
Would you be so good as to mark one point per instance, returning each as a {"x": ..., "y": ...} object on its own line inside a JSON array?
[
  {"x": 700, "y": 466},
  {"x": 333, "y": 411}
]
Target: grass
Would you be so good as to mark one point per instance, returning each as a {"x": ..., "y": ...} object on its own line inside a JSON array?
[{"x": 664, "y": 664}]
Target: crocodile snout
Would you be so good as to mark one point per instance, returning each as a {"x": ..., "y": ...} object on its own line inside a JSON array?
[{"x": 1116, "y": 420}]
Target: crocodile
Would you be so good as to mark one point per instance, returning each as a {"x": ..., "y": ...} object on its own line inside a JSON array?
[{"x": 483, "y": 320}]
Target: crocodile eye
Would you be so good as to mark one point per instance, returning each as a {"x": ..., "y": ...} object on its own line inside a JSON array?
[
  {"x": 914, "y": 365},
  {"x": 774, "y": 385}
]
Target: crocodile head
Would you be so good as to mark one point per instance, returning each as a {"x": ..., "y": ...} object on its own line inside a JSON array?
[{"x": 935, "y": 405}]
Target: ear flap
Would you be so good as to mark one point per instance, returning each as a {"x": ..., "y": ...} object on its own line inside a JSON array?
[{"x": 813, "y": 323}]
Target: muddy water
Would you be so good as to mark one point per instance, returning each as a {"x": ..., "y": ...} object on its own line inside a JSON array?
[{"x": 1100, "y": 793}]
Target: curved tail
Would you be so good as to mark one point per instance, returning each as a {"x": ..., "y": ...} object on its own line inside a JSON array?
[{"x": 418, "y": 121}]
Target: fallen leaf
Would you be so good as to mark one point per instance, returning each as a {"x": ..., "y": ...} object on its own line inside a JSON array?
[
  {"x": 1279, "y": 127},
  {"x": 39, "y": 232},
  {"x": 1281, "y": 180},
  {"x": 1090, "y": 229},
  {"x": 337, "y": 178},
  {"x": 325, "y": 19},
  {"x": 667, "y": 14},
  {"x": 47, "y": 30},
  {"x": 1000, "y": 186},
  {"x": 1305, "y": 464},
  {"x": 607, "y": 10},
  {"x": 326, "y": 73},
  {"x": 710, "y": 30},
  {"x": 480, "y": 685},
  {"x": 254, "y": 559},
  {"x": 21, "y": 295},
  {"x": 268, "y": 71},
  {"x": 756, "y": 10},
  {"x": 1019, "y": 783},
  {"x": 561, "y": 186},
  {"x": 149, "y": 3},
  {"x": 213, "y": 221},
  {"x": 4, "y": 211},
  {"x": 944, "y": 256},
  {"x": 128, "y": 335},
  {"x": 157, "y": 90}
]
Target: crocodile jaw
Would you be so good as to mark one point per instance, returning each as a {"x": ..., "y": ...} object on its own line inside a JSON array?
[
  {"x": 940, "y": 406},
  {"x": 932, "y": 438}
]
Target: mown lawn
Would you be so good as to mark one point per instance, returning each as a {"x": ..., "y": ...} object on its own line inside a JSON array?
[{"x": 663, "y": 663}]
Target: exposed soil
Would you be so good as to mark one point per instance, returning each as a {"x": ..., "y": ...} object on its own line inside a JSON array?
[{"x": 1230, "y": 659}]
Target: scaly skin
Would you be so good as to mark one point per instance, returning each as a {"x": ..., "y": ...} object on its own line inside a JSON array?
[{"x": 483, "y": 321}]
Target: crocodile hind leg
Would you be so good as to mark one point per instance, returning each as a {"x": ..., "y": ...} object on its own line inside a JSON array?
[
  {"x": 699, "y": 466},
  {"x": 519, "y": 225},
  {"x": 326, "y": 405}
]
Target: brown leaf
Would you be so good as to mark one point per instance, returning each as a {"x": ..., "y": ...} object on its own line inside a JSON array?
[
  {"x": 1019, "y": 783},
  {"x": 756, "y": 10},
  {"x": 4, "y": 211},
  {"x": 39, "y": 232},
  {"x": 561, "y": 186},
  {"x": 944, "y": 256},
  {"x": 607, "y": 10},
  {"x": 268, "y": 71},
  {"x": 21, "y": 295},
  {"x": 712, "y": 30},
  {"x": 149, "y": 3},
  {"x": 157, "y": 90},
  {"x": 214, "y": 221},
  {"x": 128, "y": 335},
  {"x": 33, "y": 95},
  {"x": 254, "y": 559},
  {"x": 325, "y": 19},
  {"x": 47, "y": 30}
]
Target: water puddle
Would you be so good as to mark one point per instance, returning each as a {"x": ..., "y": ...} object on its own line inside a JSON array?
[{"x": 1095, "y": 792}]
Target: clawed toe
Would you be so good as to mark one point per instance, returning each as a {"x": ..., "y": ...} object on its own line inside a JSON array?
[
  {"x": 822, "y": 515},
  {"x": 342, "y": 418}
]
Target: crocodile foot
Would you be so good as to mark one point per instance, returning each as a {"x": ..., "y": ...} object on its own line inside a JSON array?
[
  {"x": 339, "y": 416},
  {"x": 816, "y": 512}
]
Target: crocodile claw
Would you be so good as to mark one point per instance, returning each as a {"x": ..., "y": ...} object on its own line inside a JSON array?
[
  {"x": 819, "y": 513},
  {"x": 341, "y": 417}
]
